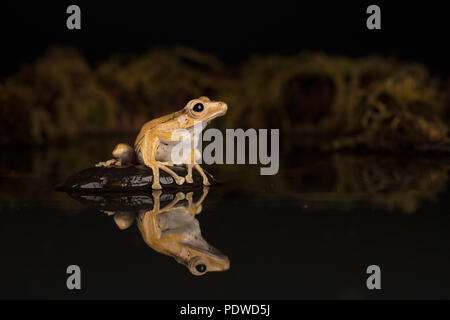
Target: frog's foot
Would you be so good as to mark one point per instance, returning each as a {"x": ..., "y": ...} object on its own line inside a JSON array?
[
  {"x": 179, "y": 180},
  {"x": 109, "y": 213},
  {"x": 155, "y": 166},
  {"x": 156, "y": 185},
  {"x": 202, "y": 173},
  {"x": 188, "y": 177},
  {"x": 109, "y": 163},
  {"x": 179, "y": 196}
]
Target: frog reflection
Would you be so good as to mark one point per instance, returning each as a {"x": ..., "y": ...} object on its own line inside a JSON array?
[{"x": 170, "y": 227}]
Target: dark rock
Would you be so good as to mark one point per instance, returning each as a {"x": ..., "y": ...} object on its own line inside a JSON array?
[
  {"x": 127, "y": 178},
  {"x": 130, "y": 202}
]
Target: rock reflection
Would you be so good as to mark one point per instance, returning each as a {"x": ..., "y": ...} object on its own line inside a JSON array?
[
  {"x": 167, "y": 222},
  {"x": 327, "y": 180}
]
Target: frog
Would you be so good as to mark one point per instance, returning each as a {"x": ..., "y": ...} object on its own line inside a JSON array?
[
  {"x": 156, "y": 139},
  {"x": 173, "y": 229}
]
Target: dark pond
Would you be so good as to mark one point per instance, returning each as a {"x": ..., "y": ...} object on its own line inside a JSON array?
[{"x": 308, "y": 232}]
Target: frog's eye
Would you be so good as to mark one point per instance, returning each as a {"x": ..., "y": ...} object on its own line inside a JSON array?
[
  {"x": 201, "y": 268},
  {"x": 198, "y": 107},
  {"x": 198, "y": 266}
]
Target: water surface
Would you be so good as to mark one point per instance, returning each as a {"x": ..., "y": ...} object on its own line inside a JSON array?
[{"x": 308, "y": 232}]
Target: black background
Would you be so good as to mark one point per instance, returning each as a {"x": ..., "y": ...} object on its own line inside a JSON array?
[
  {"x": 335, "y": 247},
  {"x": 231, "y": 30}
]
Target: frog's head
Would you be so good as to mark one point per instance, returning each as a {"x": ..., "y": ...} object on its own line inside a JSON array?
[
  {"x": 203, "y": 110},
  {"x": 203, "y": 259}
]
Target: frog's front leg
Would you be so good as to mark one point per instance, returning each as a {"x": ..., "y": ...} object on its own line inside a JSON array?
[
  {"x": 195, "y": 165},
  {"x": 189, "y": 166},
  {"x": 189, "y": 178},
  {"x": 149, "y": 218},
  {"x": 196, "y": 207},
  {"x": 203, "y": 174},
  {"x": 149, "y": 148}
]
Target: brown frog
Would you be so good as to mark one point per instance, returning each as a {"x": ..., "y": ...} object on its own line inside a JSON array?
[
  {"x": 156, "y": 140},
  {"x": 174, "y": 231}
]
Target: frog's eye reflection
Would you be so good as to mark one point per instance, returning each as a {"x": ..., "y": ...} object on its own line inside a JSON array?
[
  {"x": 198, "y": 266},
  {"x": 201, "y": 268},
  {"x": 198, "y": 107}
]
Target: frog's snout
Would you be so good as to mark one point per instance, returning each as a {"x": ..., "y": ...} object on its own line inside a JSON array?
[{"x": 224, "y": 107}]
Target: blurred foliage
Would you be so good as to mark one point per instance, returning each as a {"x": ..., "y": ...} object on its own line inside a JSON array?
[
  {"x": 341, "y": 102},
  {"x": 329, "y": 102},
  {"x": 57, "y": 97},
  {"x": 158, "y": 83}
]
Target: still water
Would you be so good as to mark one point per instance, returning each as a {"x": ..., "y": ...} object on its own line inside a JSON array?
[{"x": 308, "y": 232}]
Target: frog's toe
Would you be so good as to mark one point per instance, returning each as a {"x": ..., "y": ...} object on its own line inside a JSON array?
[
  {"x": 206, "y": 182},
  {"x": 156, "y": 186},
  {"x": 189, "y": 179},
  {"x": 189, "y": 196},
  {"x": 179, "y": 180},
  {"x": 101, "y": 164},
  {"x": 180, "y": 196}
]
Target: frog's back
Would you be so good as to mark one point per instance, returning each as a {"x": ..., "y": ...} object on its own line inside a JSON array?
[
  {"x": 151, "y": 125},
  {"x": 155, "y": 122}
]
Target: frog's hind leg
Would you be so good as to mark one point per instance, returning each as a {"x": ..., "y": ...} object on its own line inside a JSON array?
[
  {"x": 149, "y": 148},
  {"x": 179, "y": 180},
  {"x": 109, "y": 163}
]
